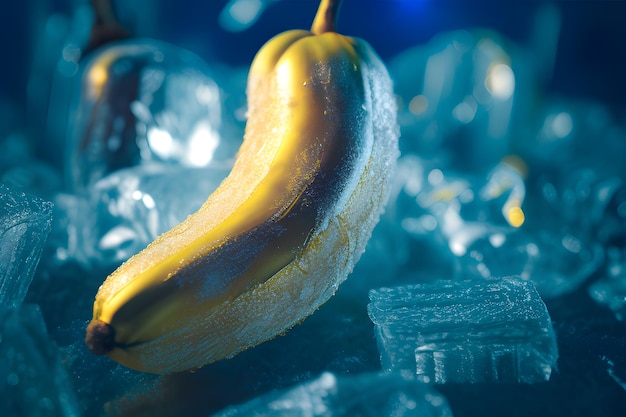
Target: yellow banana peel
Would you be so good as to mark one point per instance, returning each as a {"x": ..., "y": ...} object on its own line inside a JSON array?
[{"x": 283, "y": 230}]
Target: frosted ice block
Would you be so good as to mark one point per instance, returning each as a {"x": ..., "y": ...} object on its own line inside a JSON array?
[
  {"x": 33, "y": 382},
  {"x": 25, "y": 222},
  {"x": 493, "y": 330},
  {"x": 128, "y": 209},
  {"x": 369, "y": 394}
]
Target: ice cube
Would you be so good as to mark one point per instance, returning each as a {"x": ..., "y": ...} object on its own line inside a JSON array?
[
  {"x": 142, "y": 100},
  {"x": 128, "y": 209},
  {"x": 555, "y": 260},
  {"x": 456, "y": 97},
  {"x": 369, "y": 394},
  {"x": 33, "y": 382},
  {"x": 485, "y": 228},
  {"x": 492, "y": 330},
  {"x": 25, "y": 222}
]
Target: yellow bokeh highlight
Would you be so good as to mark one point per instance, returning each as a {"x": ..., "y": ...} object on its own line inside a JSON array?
[
  {"x": 515, "y": 216},
  {"x": 98, "y": 76},
  {"x": 445, "y": 194}
]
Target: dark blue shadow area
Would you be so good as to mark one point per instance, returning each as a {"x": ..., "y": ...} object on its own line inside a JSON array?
[{"x": 590, "y": 62}]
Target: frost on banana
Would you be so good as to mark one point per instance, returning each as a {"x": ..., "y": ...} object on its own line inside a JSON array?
[{"x": 283, "y": 230}]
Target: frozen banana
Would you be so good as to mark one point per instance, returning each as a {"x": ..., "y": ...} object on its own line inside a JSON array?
[{"x": 283, "y": 230}]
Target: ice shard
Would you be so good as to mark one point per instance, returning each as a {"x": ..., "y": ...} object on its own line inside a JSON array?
[
  {"x": 33, "y": 382},
  {"x": 25, "y": 222},
  {"x": 370, "y": 394},
  {"x": 492, "y": 330}
]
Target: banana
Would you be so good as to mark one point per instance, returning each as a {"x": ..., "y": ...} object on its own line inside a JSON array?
[{"x": 283, "y": 230}]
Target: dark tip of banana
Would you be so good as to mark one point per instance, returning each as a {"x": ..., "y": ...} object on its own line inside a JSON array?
[{"x": 100, "y": 338}]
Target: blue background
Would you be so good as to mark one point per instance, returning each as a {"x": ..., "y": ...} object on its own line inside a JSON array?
[{"x": 590, "y": 63}]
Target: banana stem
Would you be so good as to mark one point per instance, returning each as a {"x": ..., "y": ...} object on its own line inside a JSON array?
[
  {"x": 104, "y": 13},
  {"x": 326, "y": 17},
  {"x": 105, "y": 28}
]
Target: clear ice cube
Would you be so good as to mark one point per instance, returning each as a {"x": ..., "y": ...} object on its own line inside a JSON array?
[
  {"x": 370, "y": 394},
  {"x": 33, "y": 381},
  {"x": 492, "y": 226},
  {"x": 25, "y": 222},
  {"x": 127, "y": 210},
  {"x": 142, "y": 100},
  {"x": 456, "y": 97},
  {"x": 492, "y": 330}
]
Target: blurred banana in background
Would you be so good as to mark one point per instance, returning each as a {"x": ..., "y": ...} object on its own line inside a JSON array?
[{"x": 283, "y": 230}]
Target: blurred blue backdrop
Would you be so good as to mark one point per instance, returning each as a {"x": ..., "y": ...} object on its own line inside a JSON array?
[{"x": 590, "y": 60}]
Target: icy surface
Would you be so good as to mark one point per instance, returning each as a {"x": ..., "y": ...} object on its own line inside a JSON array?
[
  {"x": 142, "y": 100},
  {"x": 375, "y": 395},
  {"x": 486, "y": 227},
  {"x": 25, "y": 222},
  {"x": 128, "y": 209},
  {"x": 33, "y": 381},
  {"x": 493, "y": 330}
]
